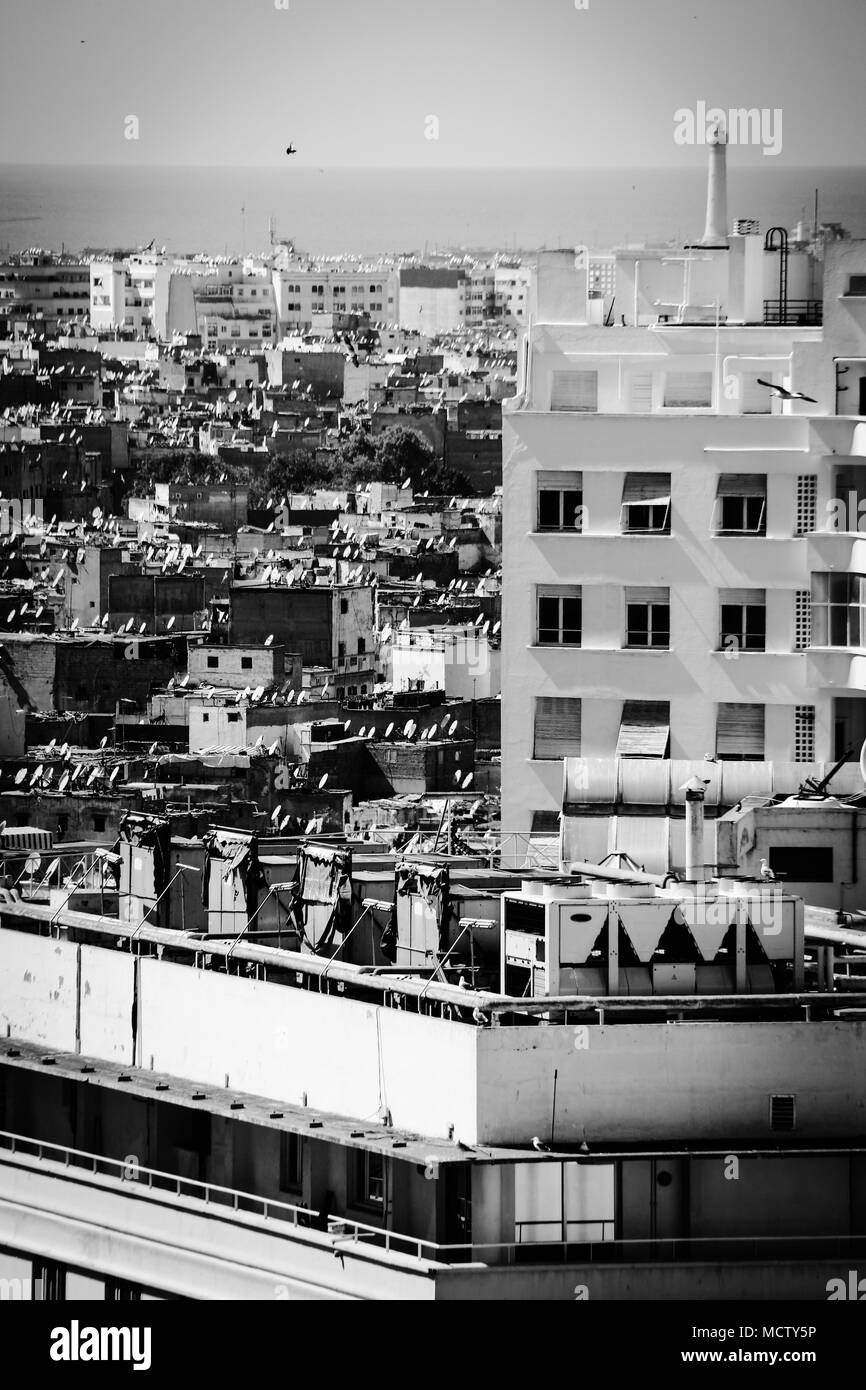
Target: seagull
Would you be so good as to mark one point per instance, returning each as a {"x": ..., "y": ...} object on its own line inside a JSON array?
[
  {"x": 784, "y": 393},
  {"x": 766, "y": 872},
  {"x": 539, "y": 1146}
]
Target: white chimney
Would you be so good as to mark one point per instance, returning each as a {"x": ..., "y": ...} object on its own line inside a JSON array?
[
  {"x": 716, "y": 230},
  {"x": 695, "y": 790}
]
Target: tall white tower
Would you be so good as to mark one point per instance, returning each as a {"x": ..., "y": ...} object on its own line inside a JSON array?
[{"x": 716, "y": 230}]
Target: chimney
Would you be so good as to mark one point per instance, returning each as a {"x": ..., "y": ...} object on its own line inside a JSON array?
[
  {"x": 695, "y": 790},
  {"x": 716, "y": 230}
]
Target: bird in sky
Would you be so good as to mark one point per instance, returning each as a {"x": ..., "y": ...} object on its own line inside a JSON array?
[
  {"x": 784, "y": 393},
  {"x": 290, "y": 149}
]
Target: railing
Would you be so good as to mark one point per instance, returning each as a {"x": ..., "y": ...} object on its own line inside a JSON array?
[
  {"x": 793, "y": 311},
  {"x": 344, "y": 1232}
]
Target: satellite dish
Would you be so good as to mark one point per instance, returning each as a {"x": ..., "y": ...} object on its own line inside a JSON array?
[
  {"x": 323, "y": 780},
  {"x": 389, "y": 731},
  {"x": 863, "y": 762},
  {"x": 467, "y": 780},
  {"x": 64, "y": 782},
  {"x": 32, "y": 863}
]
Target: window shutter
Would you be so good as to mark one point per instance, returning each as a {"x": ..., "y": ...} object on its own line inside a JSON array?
[
  {"x": 574, "y": 390},
  {"x": 742, "y": 485},
  {"x": 644, "y": 730},
  {"x": 636, "y": 594},
  {"x": 688, "y": 390},
  {"x": 646, "y": 487},
  {"x": 740, "y": 731},
  {"x": 752, "y": 597},
  {"x": 757, "y": 400},
  {"x": 641, "y": 393},
  {"x": 557, "y": 727}
]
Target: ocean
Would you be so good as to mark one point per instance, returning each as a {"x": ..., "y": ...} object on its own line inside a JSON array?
[{"x": 369, "y": 211}]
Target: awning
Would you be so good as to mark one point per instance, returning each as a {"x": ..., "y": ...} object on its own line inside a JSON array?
[{"x": 644, "y": 731}]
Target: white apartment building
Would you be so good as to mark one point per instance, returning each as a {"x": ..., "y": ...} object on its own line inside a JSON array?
[
  {"x": 684, "y": 575},
  {"x": 236, "y": 311},
  {"x": 304, "y": 291},
  {"x": 511, "y": 292},
  {"x": 459, "y": 659}
]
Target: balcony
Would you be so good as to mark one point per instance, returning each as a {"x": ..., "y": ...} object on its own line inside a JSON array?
[{"x": 805, "y": 312}]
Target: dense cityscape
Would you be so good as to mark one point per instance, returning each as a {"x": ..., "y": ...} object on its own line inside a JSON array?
[{"x": 433, "y": 771}]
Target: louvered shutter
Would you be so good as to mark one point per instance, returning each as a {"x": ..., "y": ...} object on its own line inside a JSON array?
[
  {"x": 685, "y": 390},
  {"x": 574, "y": 390},
  {"x": 740, "y": 731},
  {"x": 557, "y": 727}
]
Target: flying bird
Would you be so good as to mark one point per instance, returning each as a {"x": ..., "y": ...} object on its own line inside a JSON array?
[
  {"x": 784, "y": 393},
  {"x": 290, "y": 149}
]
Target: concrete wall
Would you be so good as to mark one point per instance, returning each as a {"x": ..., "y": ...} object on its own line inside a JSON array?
[
  {"x": 623, "y": 1082},
  {"x": 705, "y": 1080}
]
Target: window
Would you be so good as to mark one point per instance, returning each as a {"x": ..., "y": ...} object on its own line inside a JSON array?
[
  {"x": 647, "y": 617},
  {"x": 857, "y": 284},
  {"x": 362, "y": 646},
  {"x": 807, "y": 495},
  {"x": 341, "y": 651},
  {"x": 741, "y": 504},
  {"x": 560, "y": 501},
  {"x": 213, "y": 663},
  {"x": 838, "y": 604},
  {"x": 804, "y": 733},
  {"x": 205, "y": 719},
  {"x": 645, "y": 729},
  {"x": 740, "y": 733},
  {"x": 291, "y": 1163},
  {"x": 743, "y": 620},
  {"x": 559, "y": 617},
  {"x": 99, "y": 820},
  {"x": 572, "y": 390},
  {"x": 368, "y": 1179},
  {"x": 802, "y": 619},
  {"x": 557, "y": 727},
  {"x": 688, "y": 390},
  {"x": 234, "y": 717},
  {"x": 246, "y": 663},
  {"x": 802, "y": 863},
  {"x": 344, "y": 605},
  {"x": 646, "y": 504}
]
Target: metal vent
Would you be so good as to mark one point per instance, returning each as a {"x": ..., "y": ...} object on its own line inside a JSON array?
[{"x": 783, "y": 1113}]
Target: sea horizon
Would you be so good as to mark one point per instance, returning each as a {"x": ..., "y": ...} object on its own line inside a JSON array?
[{"x": 335, "y": 210}]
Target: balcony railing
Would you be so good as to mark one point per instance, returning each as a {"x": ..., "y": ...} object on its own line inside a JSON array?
[
  {"x": 603, "y": 1249},
  {"x": 793, "y": 311}
]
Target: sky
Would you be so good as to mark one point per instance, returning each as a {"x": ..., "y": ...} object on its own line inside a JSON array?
[{"x": 355, "y": 83}]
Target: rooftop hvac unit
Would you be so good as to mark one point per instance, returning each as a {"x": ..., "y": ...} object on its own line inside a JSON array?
[{"x": 562, "y": 938}]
